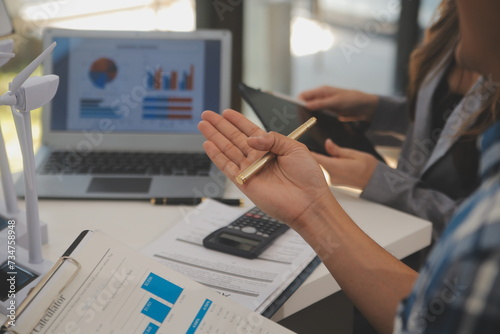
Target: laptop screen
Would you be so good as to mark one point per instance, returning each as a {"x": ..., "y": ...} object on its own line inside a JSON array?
[{"x": 135, "y": 84}]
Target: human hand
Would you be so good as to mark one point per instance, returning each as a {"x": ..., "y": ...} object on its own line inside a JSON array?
[
  {"x": 347, "y": 104},
  {"x": 347, "y": 167},
  {"x": 288, "y": 187}
]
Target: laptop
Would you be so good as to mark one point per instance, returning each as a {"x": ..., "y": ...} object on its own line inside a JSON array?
[
  {"x": 283, "y": 114},
  {"x": 123, "y": 123}
]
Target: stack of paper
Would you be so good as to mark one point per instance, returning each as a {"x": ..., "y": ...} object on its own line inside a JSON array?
[{"x": 254, "y": 283}]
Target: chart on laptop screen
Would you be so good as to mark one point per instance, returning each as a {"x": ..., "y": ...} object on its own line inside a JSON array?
[{"x": 140, "y": 84}]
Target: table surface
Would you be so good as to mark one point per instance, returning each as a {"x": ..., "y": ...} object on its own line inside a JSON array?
[{"x": 137, "y": 223}]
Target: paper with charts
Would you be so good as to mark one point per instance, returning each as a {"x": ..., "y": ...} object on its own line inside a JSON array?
[{"x": 118, "y": 290}]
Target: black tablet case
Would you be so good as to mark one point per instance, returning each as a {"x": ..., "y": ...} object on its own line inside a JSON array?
[{"x": 283, "y": 116}]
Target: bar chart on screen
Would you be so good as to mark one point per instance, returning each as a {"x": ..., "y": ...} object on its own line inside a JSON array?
[
  {"x": 159, "y": 79},
  {"x": 167, "y": 107}
]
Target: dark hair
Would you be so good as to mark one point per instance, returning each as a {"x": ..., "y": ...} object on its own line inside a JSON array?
[
  {"x": 439, "y": 41},
  {"x": 438, "y": 44}
]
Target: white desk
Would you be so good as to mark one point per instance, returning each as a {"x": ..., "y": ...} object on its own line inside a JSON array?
[{"x": 137, "y": 223}]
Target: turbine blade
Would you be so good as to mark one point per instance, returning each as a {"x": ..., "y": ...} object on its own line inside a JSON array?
[{"x": 24, "y": 74}]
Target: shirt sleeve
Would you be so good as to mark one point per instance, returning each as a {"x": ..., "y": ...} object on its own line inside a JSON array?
[
  {"x": 391, "y": 115},
  {"x": 401, "y": 191},
  {"x": 464, "y": 298}
]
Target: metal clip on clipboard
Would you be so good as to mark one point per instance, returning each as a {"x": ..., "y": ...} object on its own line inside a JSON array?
[{"x": 6, "y": 328}]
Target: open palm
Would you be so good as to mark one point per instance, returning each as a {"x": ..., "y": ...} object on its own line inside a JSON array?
[{"x": 293, "y": 180}]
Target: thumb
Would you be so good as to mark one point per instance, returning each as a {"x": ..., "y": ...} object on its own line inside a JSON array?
[
  {"x": 336, "y": 151},
  {"x": 274, "y": 142},
  {"x": 331, "y": 148}
]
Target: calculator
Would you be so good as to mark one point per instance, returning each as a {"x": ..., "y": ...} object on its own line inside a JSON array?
[{"x": 247, "y": 236}]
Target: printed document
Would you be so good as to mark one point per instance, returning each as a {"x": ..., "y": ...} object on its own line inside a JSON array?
[
  {"x": 254, "y": 283},
  {"x": 106, "y": 287}
]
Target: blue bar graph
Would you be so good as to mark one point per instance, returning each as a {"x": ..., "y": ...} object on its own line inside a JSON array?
[
  {"x": 151, "y": 329},
  {"x": 155, "y": 310},
  {"x": 162, "y": 288},
  {"x": 199, "y": 317}
]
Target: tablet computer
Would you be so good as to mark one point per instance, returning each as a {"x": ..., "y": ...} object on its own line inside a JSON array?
[{"x": 281, "y": 114}]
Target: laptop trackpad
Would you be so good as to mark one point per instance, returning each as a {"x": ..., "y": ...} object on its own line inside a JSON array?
[{"x": 119, "y": 185}]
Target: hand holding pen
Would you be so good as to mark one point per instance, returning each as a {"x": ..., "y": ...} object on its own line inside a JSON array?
[
  {"x": 292, "y": 180},
  {"x": 266, "y": 158}
]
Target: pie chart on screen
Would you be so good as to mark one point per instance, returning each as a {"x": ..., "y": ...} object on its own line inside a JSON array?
[{"x": 102, "y": 72}]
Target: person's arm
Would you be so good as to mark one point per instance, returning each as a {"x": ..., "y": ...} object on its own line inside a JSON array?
[
  {"x": 346, "y": 104},
  {"x": 401, "y": 191},
  {"x": 385, "y": 113},
  {"x": 292, "y": 189},
  {"x": 373, "y": 279},
  {"x": 390, "y": 115}
]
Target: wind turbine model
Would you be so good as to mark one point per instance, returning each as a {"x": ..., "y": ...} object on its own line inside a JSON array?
[
  {"x": 6, "y": 48},
  {"x": 10, "y": 210},
  {"x": 25, "y": 94}
]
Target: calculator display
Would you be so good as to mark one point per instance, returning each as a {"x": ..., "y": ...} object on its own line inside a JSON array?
[
  {"x": 247, "y": 236},
  {"x": 238, "y": 241}
]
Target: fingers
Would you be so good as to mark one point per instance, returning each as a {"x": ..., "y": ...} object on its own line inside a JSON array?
[
  {"x": 234, "y": 142},
  {"x": 275, "y": 143},
  {"x": 242, "y": 123},
  {"x": 227, "y": 137},
  {"x": 234, "y": 126},
  {"x": 220, "y": 160},
  {"x": 223, "y": 143},
  {"x": 321, "y": 97},
  {"x": 224, "y": 153},
  {"x": 315, "y": 93},
  {"x": 231, "y": 139},
  {"x": 331, "y": 148},
  {"x": 339, "y": 152},
  {"x": 261, "y": 143}
]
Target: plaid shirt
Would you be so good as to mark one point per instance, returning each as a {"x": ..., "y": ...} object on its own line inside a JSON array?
[{"x": 458, "y": 290}]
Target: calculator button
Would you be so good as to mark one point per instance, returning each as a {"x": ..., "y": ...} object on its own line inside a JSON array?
[{"x": 249, "y": 229}]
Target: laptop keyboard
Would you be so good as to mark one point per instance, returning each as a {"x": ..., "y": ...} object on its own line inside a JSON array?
[{"x": 138, "y": 163}]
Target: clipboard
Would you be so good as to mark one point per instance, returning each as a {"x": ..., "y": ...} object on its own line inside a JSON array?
[
  {"x": 7, "y": 326},
  {"x": 282, "y": 114},
  {"x": 145, "y": 296}
]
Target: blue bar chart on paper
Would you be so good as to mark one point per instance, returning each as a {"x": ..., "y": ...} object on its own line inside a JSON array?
[
  {"x": 164, "y": 295},
  {"x": 165, "y": 291},
  {"x": 162, "y": 288},
  {"x": 109, "y": 288},
  {"x": 199, "y": 316},
  {"x": 156, "y": 310}
]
